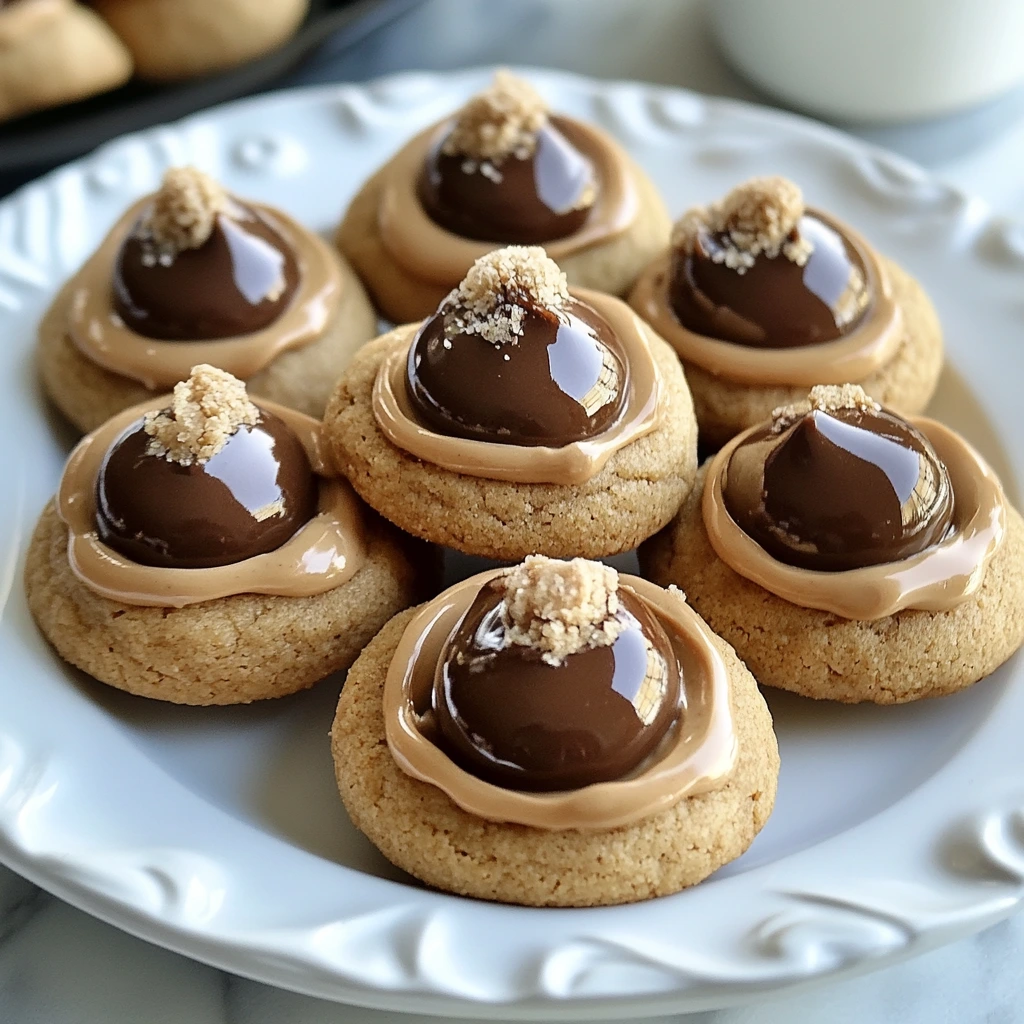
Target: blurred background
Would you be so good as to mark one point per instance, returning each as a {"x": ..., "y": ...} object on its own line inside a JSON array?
[{"x": 936, "y": 80}]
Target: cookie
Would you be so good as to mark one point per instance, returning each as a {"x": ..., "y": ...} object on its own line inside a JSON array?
[
  {"x": 54, "y": 52},
  {"x": 292, "y": 358},
  {"x": 422, "y": 830},
  {"x": 755, "y": 337},
  {"x": 905, "y": 383},
  {"x": 410, "y": 257},
  {"x": 177, "y": 39},
  {"x": 230, "y": 651},
  {"x": 448, "y": 489},
  {"x": 88, "y": 394},
  {"x": 155, "y": 572},
  {"x": 881, "y": 655}
]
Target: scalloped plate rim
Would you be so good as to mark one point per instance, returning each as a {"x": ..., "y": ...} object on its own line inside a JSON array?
[{"x": 225, "y": 951}]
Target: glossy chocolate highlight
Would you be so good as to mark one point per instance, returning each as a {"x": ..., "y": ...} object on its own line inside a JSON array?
[
  {"x": 775, "y": 303},
  {"x": 695, "y": 756},
  {"x": 840, "y": 490},
  {"x": 511, "y": 719},
  {"x": 563, "y": 380},
  {"x": 523, "y": 199},
  {"x": 248, "y": 499},
  {"x": 238, "y": 281}
]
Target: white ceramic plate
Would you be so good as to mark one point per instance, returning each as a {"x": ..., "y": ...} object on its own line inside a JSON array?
[{"x": 218, "y": 832}]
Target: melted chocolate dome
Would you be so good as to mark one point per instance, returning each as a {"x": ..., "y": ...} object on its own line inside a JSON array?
[
  {"x": 249, "y": 498},
  {"x": 561, "y": 381},
  {"x": 525, "y": 201},
  {"x": 840, "y": 490},
  {"x": 775, "y": 303},
  {"x": 512, "y": 719},
  {"x": 239, "y": 281}
]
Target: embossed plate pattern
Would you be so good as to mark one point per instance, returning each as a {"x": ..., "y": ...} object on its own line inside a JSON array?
[{"x": 218, "y": 832}]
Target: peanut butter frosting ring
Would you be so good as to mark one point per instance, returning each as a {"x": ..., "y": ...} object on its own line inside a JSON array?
[
  {"x": 428, "y": 252},
  {"x": 569, "y": 465},
  {"x": 322, "y": 555},
  {"x": 99, "y": 333},
  {"x": 869, "y": 346},
  {"x": 934, "y": 580},
  {"x": 18, "y": 19},
  {"x": 695, "y": 756}
]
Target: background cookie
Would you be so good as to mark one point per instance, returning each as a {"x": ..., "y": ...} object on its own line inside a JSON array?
[
  {"x": 901, "y": 657},
  {"x": 64, "y": 57},
  {"x": 172, "y": 39},
  {"x": 229, "y": 651},
  {"x": 638, "y": 490},
  {"x": 421, "y": 831},
  {"x": 610, "y": 266}
]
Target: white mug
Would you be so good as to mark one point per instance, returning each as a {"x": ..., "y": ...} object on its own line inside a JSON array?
[{"x": 875, "y": 60}]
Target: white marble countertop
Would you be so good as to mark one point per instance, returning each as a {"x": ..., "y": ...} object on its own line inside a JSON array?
[{"x": 58, "y": 966}]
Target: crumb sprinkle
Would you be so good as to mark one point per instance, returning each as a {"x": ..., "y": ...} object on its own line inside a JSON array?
[
  {"x": 493, "y": 298},
  {"x": 826, "y": 398},
  {"x": 561, "y": 608},
  {"x": 205, "y": 411},
  {"x": 499, "y": 122},
  {"x": 184, "y": 210},
  {"x": 759, "y": 216}
]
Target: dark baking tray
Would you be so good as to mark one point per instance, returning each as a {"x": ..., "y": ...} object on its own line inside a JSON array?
[{"x": 36, "y": 142}]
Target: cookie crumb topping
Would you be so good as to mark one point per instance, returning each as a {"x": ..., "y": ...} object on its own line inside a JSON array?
[
  {"x": 499, "y": 122},
  {"x": 561, "y": 608},
  {"x": 826, "y": 398},
  {"x": 494, "y": 296},
  {"x": 205, "y": 411},
  {"x": 759, "y": 216},
  {"x": 185, "y": 209}
]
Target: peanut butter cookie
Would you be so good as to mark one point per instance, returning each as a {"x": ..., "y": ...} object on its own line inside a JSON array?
[
  {"x": 192, "y": 274},
  {"x": 202, "y": 552},
  {"x": 503, "y": 171},
  {"x": 465, "y": 753},
  {"x": 850, "y": 555},
  {"x": 176, "y": 39},
  {"x": 520, "y": 418},
  {"x": 54, "y": 52},
  {"x": 763, "y": 298}
]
